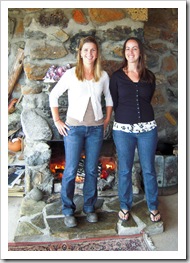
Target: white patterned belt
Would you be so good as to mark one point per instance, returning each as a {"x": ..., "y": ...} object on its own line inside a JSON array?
[{"x": 136, "y": 127}]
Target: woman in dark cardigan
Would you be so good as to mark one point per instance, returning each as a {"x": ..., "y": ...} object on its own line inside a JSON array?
[{"x": 132, "y": 88}]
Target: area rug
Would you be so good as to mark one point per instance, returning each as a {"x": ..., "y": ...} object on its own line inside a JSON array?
[{"x": 140, "y": 242}]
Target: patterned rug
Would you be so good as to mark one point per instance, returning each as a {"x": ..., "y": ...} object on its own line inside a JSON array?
[{"x": 140, "y": 242}]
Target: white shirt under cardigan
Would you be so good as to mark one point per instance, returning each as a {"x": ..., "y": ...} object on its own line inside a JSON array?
[{"x": 79, "y": 93}]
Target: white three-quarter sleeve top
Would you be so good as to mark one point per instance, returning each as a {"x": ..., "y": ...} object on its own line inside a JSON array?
[{"x": 79, "y": 93}]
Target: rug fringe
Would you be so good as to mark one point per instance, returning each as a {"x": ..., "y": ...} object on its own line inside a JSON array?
[{"x": 149, "y": 241}]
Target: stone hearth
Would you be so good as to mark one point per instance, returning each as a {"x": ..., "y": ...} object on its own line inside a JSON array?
[{"x": 43, "y": 220}]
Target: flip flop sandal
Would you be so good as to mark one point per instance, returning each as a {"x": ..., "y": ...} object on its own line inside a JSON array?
[
  {"x": 125, "y": 213},
  {"x": 154, "y": 215}
]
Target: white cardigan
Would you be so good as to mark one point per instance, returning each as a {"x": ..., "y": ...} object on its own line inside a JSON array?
[{"x": 79, "y": 93}]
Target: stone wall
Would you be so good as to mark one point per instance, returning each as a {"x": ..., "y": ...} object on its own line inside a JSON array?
[{"x": 50, "y": 37}]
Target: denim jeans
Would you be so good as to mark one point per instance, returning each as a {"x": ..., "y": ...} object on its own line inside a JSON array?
[
  {"x": 146, "y": 143},
  {"x": 90, "y": 139}
]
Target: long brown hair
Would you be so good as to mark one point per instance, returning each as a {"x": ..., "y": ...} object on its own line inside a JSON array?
[
  {"x": 144, "y": 73},
  {"x": 97, "y": 64}
]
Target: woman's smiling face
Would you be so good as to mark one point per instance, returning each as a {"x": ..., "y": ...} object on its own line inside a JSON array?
[
  {"x": 89, "y": 53},
  {"x": 132, "y": 51}
]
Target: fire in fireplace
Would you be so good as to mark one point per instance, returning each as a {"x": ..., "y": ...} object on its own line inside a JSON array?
[{"x": 106, "y": 167}]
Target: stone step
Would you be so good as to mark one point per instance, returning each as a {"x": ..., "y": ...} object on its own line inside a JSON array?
[{"x": 46, "y": 222}]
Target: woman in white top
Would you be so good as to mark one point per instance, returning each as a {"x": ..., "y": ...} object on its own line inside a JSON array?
[{"x": 84, "y": 126}]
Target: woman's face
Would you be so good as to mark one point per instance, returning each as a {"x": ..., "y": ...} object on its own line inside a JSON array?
[
  {"x": 132, "y": 51},
  {"x": 89, "y": 53}
]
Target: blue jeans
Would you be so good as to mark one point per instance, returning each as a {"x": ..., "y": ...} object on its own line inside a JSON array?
[
  {"x": 90, "y": 139},
  {"x": 146, "y": 143}
]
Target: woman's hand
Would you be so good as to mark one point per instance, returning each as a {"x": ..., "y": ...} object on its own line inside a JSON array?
[
  {"x": 106, "y": 122},
  {"x": 108, "y": 117},
  {"x": 62, "y": 127}
]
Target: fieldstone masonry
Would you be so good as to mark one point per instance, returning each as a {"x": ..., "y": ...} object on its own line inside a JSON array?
[{"x": 50, "y": 37}]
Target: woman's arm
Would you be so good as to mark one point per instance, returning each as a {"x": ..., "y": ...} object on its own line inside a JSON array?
[
  {"x": 60, "y": 125},
  {"x": 108, "y": 116},
  {"x": 56, "y": 92},
  {"x": 114, "y": 91}
]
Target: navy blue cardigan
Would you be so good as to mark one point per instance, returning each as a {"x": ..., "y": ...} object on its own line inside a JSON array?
[{"x": 132, "y": 100}]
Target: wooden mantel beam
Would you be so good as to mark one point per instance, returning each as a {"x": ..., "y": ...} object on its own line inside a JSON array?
[{"x": 15, "y": 71}]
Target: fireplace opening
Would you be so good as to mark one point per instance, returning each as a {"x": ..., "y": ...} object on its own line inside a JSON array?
[{"x": 107, "y": 166}]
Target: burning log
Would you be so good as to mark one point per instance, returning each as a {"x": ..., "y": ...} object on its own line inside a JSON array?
[
  {"x": 106, "y": 172},
  {"x": 106, "y": 184}
]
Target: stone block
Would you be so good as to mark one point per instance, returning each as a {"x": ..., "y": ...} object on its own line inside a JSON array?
[
  {"x": 25, "y": 229},
  {"x": 142, "y": 216},
  {"x": 106, "y": 226},
  {"x": 35, "y": 72},
  {"x": 54, "y": 208},
  {"x": 38, "y": 221},
  {"x": 170, "y": 118},
  {"x": 167, "y": 173},
  {"x": 45, "y": 51},
  {"x": 169, "y": 64},
  {"x": 138, "y": 14},
  {"x": 158, "y": 98},
  {"x": 30, "y": 207},
  {"x": 19, "y": 30},
  {"x": 34, "y": 126},
  {"x": 104, "y": 15},
  {"x": 79, "y": 17},
  {"x": 53, "y": 17}
]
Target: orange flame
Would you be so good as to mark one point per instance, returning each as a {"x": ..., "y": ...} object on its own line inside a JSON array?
[
  {"x": 108, "y": 165},
  {"x": 79, "y": 179}
]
